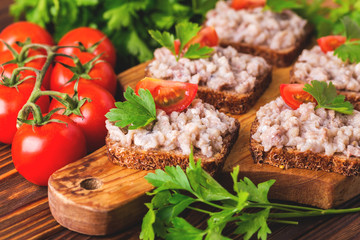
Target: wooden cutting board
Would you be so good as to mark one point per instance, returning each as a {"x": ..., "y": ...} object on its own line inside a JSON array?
[{"x": 95, "y": 197}]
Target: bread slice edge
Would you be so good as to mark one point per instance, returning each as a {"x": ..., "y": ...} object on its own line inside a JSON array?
[
  {"x": 288, "y": 157},
  {"x": 279, "y": 58},
  {"x": 137, "y": 158}
]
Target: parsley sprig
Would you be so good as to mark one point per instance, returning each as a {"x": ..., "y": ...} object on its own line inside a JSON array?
[
  {"x": 136, "y": 112},
  {"x": 185, "y": 32},
  {"x": 350, "y": 50},
  {"x": 281, "y": 5},
  {"x": 176, "y": 191},
  {"x": 327, "y": 97}
]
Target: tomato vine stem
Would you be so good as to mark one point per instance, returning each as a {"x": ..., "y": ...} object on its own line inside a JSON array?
[{"x": 37, "y": 92}]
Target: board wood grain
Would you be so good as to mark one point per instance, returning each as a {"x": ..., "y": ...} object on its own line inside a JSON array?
[{"x": 94, "y": 196}]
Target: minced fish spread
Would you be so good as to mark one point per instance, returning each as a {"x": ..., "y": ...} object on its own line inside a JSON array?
[
  {"x": 200, "y": 125},
  {"x": 256, "y": 26},
  {"x": 314, "y": 64},
  {"x": 319, "y": 131},
  {"x": 226, "y": 69}
]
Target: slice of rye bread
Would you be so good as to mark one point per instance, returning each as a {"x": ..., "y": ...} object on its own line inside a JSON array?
[
  {"x": 230, "y": 101},
  {"x": 279, "y": 58},
  {"x": 351, "y": 96},
  {"x": 289, "y": 157},
  {"x": 137, "y": 158}
]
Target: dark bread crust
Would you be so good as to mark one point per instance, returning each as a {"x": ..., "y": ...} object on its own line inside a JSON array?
[
  {"x": 230, "y": 101},
  {"x": 288, "y": 157},
  {"x": 279, "y": 58},
  {"x": 351, "y": 96},
  {"x": 136, "y": 158}
]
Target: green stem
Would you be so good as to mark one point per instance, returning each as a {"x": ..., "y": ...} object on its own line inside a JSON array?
[
  {"x": 200, "y": 210},
  {"x": 283, "y": 221},
  {"x": 24, "y": 113},
  {"x": 314, "y": 213},
  {"x": 285, "y": 207},
  {"x": 13, "y": 78},
  {"x": 214, "y": 204},
  {"x": 36, "y": 93},
  {"x": 72, "y": 103}
]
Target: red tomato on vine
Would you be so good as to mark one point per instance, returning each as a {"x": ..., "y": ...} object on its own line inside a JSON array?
[
  {"x": 92, "y": 121},
  {"x": 100, "y": 73},
  {"x": 88, "y": 37},
  {"x": 38, "y": 151},
  {"x": 37, "y": 63},
  {"x": 12, "y": 100},
  {"x": 20, "y": 31}
]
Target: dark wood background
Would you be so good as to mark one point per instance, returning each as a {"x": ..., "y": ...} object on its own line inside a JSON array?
[{"x": 25, "y": 214}]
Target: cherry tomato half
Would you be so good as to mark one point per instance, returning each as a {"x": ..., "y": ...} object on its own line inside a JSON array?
[
  {"x": 169, "y": 95},
  {"x": 20, "y": 31},
  {"x": 88, "y": 37},
  {"x": 12, "y": 99},
  {"x": 294, "y": 95},
  {"x": 207, "y": 36},
  {"x": 38, "y": 151},
  {"x": 330, "y": 43},
  {"x": 92, "y": 121},
  {"x": 244, "y": 4},
  {"x": 177, "y": 46}
]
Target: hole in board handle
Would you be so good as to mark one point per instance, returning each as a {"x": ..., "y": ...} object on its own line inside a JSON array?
[{"x": 91, "y": 183}]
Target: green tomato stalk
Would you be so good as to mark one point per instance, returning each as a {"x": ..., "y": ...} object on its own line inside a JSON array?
[{"x": 30, "y": 105}]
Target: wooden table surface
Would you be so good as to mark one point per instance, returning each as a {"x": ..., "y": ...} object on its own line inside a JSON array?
[{"x": 25, "y": 214}]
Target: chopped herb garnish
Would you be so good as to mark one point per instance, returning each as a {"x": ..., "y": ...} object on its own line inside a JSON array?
[
  {"x": 350, "y": 50},
  {"x": 281, "y": 5},
  {"x": 185, "y": 32},
  {"x": 136, "y": 112},
  {"x": 327, "y": 97}
]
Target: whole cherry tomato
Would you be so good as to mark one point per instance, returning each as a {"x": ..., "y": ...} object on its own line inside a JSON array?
[
  {"x": 37, "y": 63},
  {"x": 101, "y": 73},
  {"x": 92, "y": 121},
  {"x": 294, "y": 95},
  {"x": 38, "y": 151},
  {"x": 12, "y": 99},
  {"x": 20, "y": 31},
  {"x": 169, "y": 95},
  {"x": 330, "y": 43},
  {"x": 88, "y": 37},
  {"x": 240, "y": 4}
]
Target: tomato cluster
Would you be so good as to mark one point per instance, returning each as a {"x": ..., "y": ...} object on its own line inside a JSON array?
[{"x": 87, "y": 77}]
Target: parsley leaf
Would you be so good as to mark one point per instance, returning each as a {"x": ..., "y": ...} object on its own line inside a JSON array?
[
  {"x": 136, "y": 112},
  {"x": 147, "y": 232},
  {"x": 162, "y": 219},
  {"x": 251, "y": 223},
  {"x": 326, "y": 97},
  {"x": 165, "y": 39},
  {"x": 280, "y": 5},
  {"x": 350, "y": 50},
  {"x": 195, "y": 52},
  {"x": 352, "y": 29},
  {"x": 256, "y": 194},
  {"x": 183, "y": 230},
  {"x": 185, "y": 32}
]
